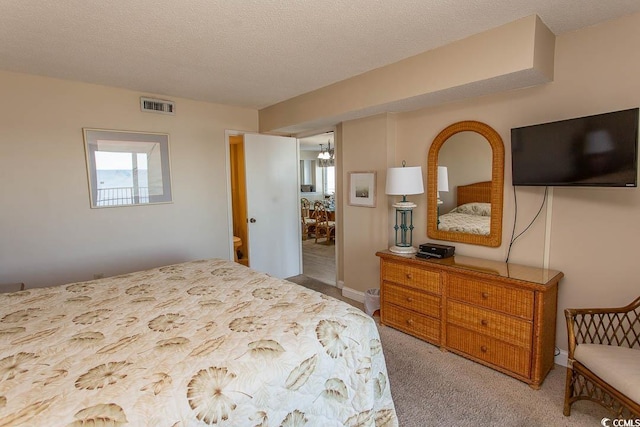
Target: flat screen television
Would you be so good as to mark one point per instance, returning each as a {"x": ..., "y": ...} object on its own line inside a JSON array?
[{"x": 592, "y": 151}]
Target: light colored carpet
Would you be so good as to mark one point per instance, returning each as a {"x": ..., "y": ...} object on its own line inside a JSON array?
[
  {"x": 435, "y": 388},
  {"x": 322, "y": 287}
]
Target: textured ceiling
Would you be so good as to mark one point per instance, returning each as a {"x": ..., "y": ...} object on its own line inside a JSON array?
[
  {"x": 252, "y": 53},
  {"x": 312, "y": 143}
]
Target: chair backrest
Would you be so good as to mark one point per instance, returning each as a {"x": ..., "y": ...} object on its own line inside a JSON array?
[
  {"x": 320, "y": 213},
  {"x": 305, "y": 205},
  {"x": 619, "y": 326}
]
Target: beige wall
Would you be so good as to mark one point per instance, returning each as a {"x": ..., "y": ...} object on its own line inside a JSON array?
[
  {"x": 368, "y": 145},
  {"x": 593, "y": 232},
  {"x": 517, "y": 54},
  {"x": 48, "y": 233},
  {"x": 590, "y": 234},
  {"x": 468, "y": 158}
]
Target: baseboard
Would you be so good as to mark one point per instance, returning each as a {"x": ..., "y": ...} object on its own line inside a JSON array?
[
  {"x": 562, "y": 358},
  {"x": 352, "y": 294},
  {"x": 340, "y": 284}
]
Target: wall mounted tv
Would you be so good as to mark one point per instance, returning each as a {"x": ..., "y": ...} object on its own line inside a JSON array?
[{"x": 593, "y": 151}]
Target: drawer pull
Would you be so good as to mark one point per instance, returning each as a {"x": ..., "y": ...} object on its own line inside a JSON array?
[
  {"x": 409, "y": 299},
  {"x": 484, "y": 322},
  {"x": 483, "y": 349},
  {"x": 409, "y": 321},
  {"x": 485, "y": 295},
  {"x": 409, "y": 276}
]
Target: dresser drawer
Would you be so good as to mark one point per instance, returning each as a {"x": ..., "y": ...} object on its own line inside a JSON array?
[
  {"x": 517, "y": 302},
  {"x": 498, "y": 314},
  {"x": 411, "y": 299},
  {"x": 412, "y": 323},
  {"x": 511, "y": 329},
  {"x": 490, "y": 350},
  {"x": 414, "y": 277}
]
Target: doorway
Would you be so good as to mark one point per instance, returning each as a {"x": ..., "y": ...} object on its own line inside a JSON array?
[
  {"x": 318, "y": 184},
  {"x": 263, "y": 202},
  {"x": 238, "y": 199}
]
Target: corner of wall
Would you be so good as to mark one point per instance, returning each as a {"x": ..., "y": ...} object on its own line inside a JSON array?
[{"x": 544, "y": 50}]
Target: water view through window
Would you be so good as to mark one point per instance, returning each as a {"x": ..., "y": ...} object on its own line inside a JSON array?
[
  {"x": 123, "y": 178},
  {"x": 127, "y": 168}
]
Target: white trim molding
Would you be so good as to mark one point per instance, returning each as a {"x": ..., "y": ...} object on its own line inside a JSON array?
[
  {"x": 352, "y": 294},
  {"x": 562, "y": 358}
]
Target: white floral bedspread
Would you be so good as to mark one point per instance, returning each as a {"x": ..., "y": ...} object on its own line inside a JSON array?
[
  {"x": 200, "y": 343},
  {"x": 465, "y": 223}
]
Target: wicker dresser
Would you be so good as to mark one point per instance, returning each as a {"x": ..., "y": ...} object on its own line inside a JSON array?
[{"x": 498, "y": 314}]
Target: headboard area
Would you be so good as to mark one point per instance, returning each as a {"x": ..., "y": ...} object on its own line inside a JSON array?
[{"x": 476, "y": 192}]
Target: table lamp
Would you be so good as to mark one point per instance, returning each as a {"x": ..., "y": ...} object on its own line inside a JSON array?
[
  {"x": 443, "y": 185},
  {"x": 443, "y": 182},
  {"x": 404, "y": 181}
]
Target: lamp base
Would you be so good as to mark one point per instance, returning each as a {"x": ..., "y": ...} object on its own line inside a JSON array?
[
  {"x": 403, "y": 250},
  {"x": 404, "y": 206}
]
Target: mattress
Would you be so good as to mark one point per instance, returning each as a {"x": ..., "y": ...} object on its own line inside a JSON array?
[
  {"x": 464, "y": 223},
  {"x": 200, "y": 343},
  {"x": 473, "y": 218}
]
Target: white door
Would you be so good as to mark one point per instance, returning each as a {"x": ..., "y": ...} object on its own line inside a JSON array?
[{"x": 273, "y": 206}]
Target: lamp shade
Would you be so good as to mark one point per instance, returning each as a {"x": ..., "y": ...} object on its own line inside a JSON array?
[
  {"x": 404, "y": 180},
  {"x": 443, "y": 179}
]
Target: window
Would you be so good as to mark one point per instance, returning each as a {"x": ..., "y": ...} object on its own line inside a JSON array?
[
  {"x": 307, "y": 176},
  {"x": 329, "y": 179},
  {"x": 127, "y": 168}
]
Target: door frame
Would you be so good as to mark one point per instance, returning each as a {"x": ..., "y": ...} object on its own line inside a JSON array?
[{"x": 227, "y": 167}]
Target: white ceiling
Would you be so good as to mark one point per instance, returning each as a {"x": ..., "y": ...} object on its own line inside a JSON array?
[
  {"x": 312, "y": 143},
  {"x": 252, "y": 53}
]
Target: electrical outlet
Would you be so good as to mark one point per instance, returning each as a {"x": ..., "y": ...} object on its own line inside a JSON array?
[{"x": 98, "y": 276}]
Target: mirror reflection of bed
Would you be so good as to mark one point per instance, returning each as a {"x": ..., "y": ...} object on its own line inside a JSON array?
[
  {"x": 473, "y": 211},
  {"x": 473, "y": 153},
  {"x": 466, "y": 207}
]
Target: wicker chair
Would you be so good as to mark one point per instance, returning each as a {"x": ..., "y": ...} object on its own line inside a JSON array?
[
  {"x": 324, "y": 227},
  {"x": 610, "y": 328},
  {"x": 308, "y": 223}
]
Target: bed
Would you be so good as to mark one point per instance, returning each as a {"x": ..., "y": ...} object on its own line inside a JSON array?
[
  {"x": 200, "y": 343},
  {"x": 473, "y": 213}
]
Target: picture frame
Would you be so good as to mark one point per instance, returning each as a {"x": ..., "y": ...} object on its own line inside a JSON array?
[
  {"x": 127, "y": 168},
  {"x": 362, "y": 189}
]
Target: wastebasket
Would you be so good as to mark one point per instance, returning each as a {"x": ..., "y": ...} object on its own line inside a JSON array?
[{"x": 371, "y": 301}]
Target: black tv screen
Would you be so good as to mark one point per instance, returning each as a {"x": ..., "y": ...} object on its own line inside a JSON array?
[{"x": 598, "y": 151}]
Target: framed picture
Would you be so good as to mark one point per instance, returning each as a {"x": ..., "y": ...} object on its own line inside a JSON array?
[
  {"x": 362, "y": 189},
  {"x": 127, "y": 168}
]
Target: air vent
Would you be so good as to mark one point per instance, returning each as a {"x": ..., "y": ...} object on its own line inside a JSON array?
[{"x": 162, "y": 106}]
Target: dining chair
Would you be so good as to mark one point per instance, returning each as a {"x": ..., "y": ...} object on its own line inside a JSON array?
[
  {"x": 307, "y": 221},
  {"x": 324, "y": 227}
]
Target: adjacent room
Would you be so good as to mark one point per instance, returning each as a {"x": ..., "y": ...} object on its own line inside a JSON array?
[
  {"x": 299, "y": 213},
  {"x": 318, "y": 206}
]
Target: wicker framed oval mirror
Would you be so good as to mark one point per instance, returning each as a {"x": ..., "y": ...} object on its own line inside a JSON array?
[{"x": 471, "y": 159}]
